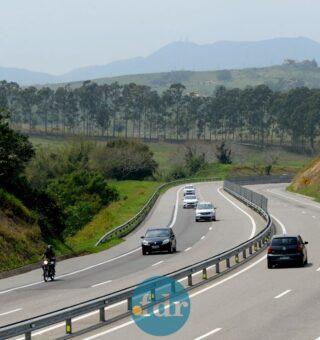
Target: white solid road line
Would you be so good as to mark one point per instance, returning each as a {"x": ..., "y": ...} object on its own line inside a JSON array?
[
  {"x": 284, "y": 230},
  {"x": 156, "y": 264},
  {"x": 293, "y": 199},
  {"x": 254, "y": 227},
  {"x": 208, "y": 334},
  {"x": 72, "y": 273},
  {"x": 175, "y": 209},
  {"x": 125, "y": 301},
  {"x": 282, "y": 294},
  {"x": 190, "y": 296},
  {"x": 188, "y": 249},
  {"x": 210, "y": 228},
  {"x": 100, "y": 284},
  {"x": 202, "y": 237},
  {"x": 318, "y": 270},
  {"x": 11, "y": 311}
]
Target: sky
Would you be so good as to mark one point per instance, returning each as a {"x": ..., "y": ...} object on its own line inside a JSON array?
[{"x": 57, "y": 36}]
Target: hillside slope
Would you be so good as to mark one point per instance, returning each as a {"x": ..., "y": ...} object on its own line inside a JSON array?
[
  {"x": 21, "y": 241},
  {"x": 307, "y": 181}
]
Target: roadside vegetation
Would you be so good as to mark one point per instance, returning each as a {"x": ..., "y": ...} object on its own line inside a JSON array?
[{"x": 307, "y": 181}]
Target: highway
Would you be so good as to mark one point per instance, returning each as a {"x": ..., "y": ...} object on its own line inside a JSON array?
[
  {"x": 254, "y": 302},
  {"x": 87, "y": 277}
]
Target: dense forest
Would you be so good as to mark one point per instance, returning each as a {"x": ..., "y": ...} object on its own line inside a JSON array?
[{"x": 255, "y": 114}]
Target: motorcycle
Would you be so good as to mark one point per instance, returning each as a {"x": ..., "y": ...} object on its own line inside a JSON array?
[{"x": 48, "y": 267}]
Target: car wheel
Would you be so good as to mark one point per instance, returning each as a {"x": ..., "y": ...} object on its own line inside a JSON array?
[
  {"x": 269, "y": 264},
  {"x": 144, "y": 252},
  {"x": 213, "y": 218},
  {"x": 170, "y": 251},
  {"x": 306, "y": 261},
  {"x": 175, "y": 248},
  {"x": 301, "y": 262}
]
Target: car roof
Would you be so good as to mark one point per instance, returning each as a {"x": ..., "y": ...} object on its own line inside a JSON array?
[
  {"x": 203, "y": 202},
  {"x": 158, "y": 228},
  {"x": 286, "y": 235}
]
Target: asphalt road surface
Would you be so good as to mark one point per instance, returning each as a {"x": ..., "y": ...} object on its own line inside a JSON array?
[
  {"x": 80, "y": 279},
  {"x": 254, "y": 302}
]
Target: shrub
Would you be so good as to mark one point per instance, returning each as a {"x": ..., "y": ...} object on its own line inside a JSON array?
[
  {"x": 122, "y": 160},
  {"x": 80, "y": 195}
]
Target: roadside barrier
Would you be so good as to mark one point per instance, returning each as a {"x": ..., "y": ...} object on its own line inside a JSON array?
[{"x": 192, "y": 275}]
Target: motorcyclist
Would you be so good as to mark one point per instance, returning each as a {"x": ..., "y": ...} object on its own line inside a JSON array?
[{"x": 50, "y": 255}]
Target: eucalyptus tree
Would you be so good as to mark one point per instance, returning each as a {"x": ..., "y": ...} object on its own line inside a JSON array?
[
  {"x": 88, "y": 103},
  {"x": 28, "y": 100},
  {"x": 45, "y": 104},
  {"x": 312, "y": 120}
]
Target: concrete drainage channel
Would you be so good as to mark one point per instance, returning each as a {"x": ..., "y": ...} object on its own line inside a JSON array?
[{"x": 112, "y": 307}]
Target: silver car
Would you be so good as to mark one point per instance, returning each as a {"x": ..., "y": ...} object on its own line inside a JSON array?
[
  {"x": 205, "y": 211},
  {"x": 190, "y": 201}
]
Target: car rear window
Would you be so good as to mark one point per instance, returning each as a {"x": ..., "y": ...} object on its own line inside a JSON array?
[{"x": 280, "y": 241}]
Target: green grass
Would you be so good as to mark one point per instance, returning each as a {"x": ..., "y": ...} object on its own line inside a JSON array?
[
  {"x": 311, "y": 191},
  {"x": 133, "y": 196}
]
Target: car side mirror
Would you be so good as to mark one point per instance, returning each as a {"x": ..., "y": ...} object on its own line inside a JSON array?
[
  {"x": 306, "y": 242},
  {"x": 141, "y": 236}
]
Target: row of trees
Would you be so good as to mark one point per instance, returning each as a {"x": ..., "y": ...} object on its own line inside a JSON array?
[{"x": 255, "y": 114}]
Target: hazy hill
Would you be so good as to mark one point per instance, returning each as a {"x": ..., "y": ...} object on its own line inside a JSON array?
[{"x": 186, "y": 56}]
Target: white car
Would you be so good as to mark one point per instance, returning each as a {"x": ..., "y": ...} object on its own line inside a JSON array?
[
  {"x": 189, "y": 189},
  {"x": 205, "y": 211},
  {"x": 190, "y": 201}
]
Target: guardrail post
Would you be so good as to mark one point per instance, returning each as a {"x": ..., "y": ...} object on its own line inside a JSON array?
[
  {"x": 228, "y": 262},
  {"x": 204, "y": 274},
  {"x": 190, "y": 280},
  {"x": 153, "y": 294},
  {"x": 173, "y": 286},
  {"x": 260, "y": 244},
  {"x": 68, "y": 326},
  {"x": 255, "y": 247},
  {"x": 236, "y": 258},
  {"x": 27, "y": 336},
  {"x": 244, "y": 253},
  {"x": 250, "y": 250},
  {"x": 218, "y": 267},
  {"x": 129, "y": 303},
  {"x": 102, "y": 314}
]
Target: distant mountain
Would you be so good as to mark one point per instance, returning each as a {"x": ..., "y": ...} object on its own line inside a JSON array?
[{"x": 186, "y": 56}]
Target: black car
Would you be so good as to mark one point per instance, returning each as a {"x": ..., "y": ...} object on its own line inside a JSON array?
[
  {"x": 159, "y": 239},
  {"x": 287, "y": 249}
]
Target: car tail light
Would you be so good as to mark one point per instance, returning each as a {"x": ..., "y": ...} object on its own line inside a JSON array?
[
  {"x": 299, "y": 248},
  {"x": 269, "y": 250}
]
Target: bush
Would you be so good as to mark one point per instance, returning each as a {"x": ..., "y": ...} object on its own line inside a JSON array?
[
  {"x": 223, "y": 154},
  {"x": 80, "y": 195},
  {"x": 123, "y": 160}
]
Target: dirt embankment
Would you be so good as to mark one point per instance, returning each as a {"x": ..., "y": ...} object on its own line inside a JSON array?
[{"x": 308, "y": 177}]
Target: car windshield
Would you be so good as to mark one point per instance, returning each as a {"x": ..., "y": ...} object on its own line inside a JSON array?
[
  {"x": 191, "y": 197},
  {"x": 205, "y": 206},
  {"x": 188, "y": 187},
  {"x": 284, "y": 241},
  {"x": 157, "y": 233}
]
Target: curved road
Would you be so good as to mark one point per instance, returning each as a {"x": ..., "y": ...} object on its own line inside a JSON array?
[
  {"x": 254, "y": 302},
  {"x": 87, "y": 277}
]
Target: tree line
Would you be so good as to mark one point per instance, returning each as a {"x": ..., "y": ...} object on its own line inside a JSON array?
[{"x": 255, "y": 114}]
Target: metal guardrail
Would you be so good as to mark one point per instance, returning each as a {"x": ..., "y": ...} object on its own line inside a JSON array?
[
  {"x": 267, "y": 179},
  {"x": 229, "y": 258},
  {"x": 134, "y": 222}
]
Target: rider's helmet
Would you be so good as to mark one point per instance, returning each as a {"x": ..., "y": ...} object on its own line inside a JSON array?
[{"x": 49, "y": 247}]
